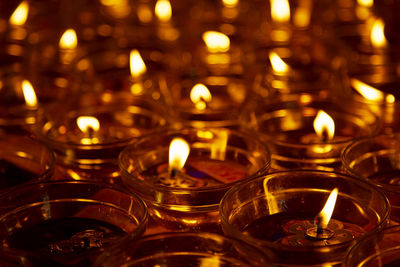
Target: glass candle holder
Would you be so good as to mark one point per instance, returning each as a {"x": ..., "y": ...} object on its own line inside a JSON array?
[
  {"x": 377, "y": 159},
  {"x": 137, "y": 69},
  {"x": 373, "y": 86},
  {"x": 212, "y": 101},
  {"x": 188, "y": 200},
  {"x": 286, "y": 124},
  {"x": 91, "y": 151},
  {"x": 23, "y": 159},
  {"x": 69, "y": 222},
  {"x": 310, "y": 67},
  {"x": 379, "y": 249},
  {"x": 190, "y": 249},
  {"x": 277, "y": 212}
]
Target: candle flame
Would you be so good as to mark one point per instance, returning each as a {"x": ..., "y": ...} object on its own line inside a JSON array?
[
  {"x": 371, "y": 93},
  {"x": 377, "y": 36},
  {"x": 68, "y": 40},
  {"x": 326, "y": 213},
  {"x": 29, "y": 94},
  {"x": 324, "y": 126},
  {"x": 20, "y": 14},
  {"x": 366, "y": 3},
  {"x": 163, "y": 10},
  {"x": 178, "y": 153},
  {"x": 200, "y": 95},
  {"x": 137, "y": 65},
  {"x": 280, "y": 11},
  {"x": 216, "y": 41},
  {"x": 87, "y": 123},
  {"x": 230, "y": 3},
  {"x": 277, "y": 63}
]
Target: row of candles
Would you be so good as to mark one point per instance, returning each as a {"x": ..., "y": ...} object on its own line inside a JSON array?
[{"x": 184, "y": 141}]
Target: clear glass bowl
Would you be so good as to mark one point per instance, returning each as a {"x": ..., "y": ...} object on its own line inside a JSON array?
[
  {"x": 68, "y": 222},
  {"x": 377, "y": 159},
  {"x": 378, "y": 249},
  {"x": 191, "y": 201},
  {"x": 275, "y": 211},
  {"x": 23, "y": 159},
  {"x": 186, "y": 249}
]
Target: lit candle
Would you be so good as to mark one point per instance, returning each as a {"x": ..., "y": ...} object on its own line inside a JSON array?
[
  {"x": 68, "y": 46},
  {"x": 303, "y": 217},
  {"x": 18, "y": 20},
  {"x": 165, "y": 31},
  {"x": 183, "y": 174}
]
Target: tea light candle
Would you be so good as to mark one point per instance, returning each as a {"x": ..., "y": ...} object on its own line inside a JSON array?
[
  {"x": 291, "y": 216},
  {"x": 196, "y": 249},
  {"x": 22, "y": 160},
  {"x": 92, "y": 216},
  {"x": 87, "y": 140},
  {"x": 379, "y": 249},
  {"x": 376, "y": 159},
  {"x": 287, "y": 125},
  {"x": 184, "y": 193},
  {"x": 212, "y": 101}
]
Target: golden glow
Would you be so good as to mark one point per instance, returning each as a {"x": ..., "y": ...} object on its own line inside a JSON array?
[
  {"x": 219, "y": 145},
  {"x": 29, "y": 94},
  {"x": 230, "y": 3},
  {"x": 200, "y": 95},
  {"x": 324, "y": 124},
  {"x": 20, "y": 14},
  {"x": 366, "y": 3},
  {"x": 271, "y": 200},
  {"x": 178, "y": 153},
  {"x": 137, "y": 65},
  {"x": 68, "y": 40},
  {"x": 205, "y": 134},
  {"x": 88, "y": 125},
  {"x": 163, "y": 10},
  {"x": 277, "y": 63},
  {"x": 326, "y": 213},
  {"x": 216, "y": 41},
  {"x": 302, "y": 14},
  {"x": 370, "y": 93},
  {"x": 280, "y": 11},
  {"x": 377, "y": 36},
  {"x": 144, "y": 13}
]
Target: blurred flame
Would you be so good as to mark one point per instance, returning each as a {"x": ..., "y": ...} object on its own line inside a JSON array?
[
  {"x": 370, "y": 93},
  {"x": 20, "y": 14},
  {"x": 377, "y": 36},
  {"x": 280, "y": 11},
  {"x": 230, "y": 3},
  {"x": 277, "y": 63},
  {"x": 366, "y": 3},
  {"x": 200, "y": 95},
  {"x": 326, "y": 213},
  {"x": 216, "y": 41},
  {"x": 137, "y": 65},
  {"x": 178, "y": 153},
  {"x": 302, "y": 14},
  {"x": 163, "y": 10},
  {"x": 85, "y": 123},
  {"x": 323, "y": 123},
  {"x": 29, "y": 94},
  {"x": 68, "y": 40}
]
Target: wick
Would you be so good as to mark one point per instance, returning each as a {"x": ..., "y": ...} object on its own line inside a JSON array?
[
  {"x": 318, "y": 232},
  {"x": 324, "y": 136},
  {"x": 173, "y": 172}
]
